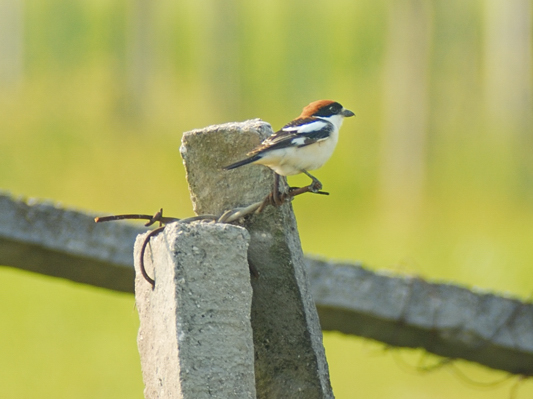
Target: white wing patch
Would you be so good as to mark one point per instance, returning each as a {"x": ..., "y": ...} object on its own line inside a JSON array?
[
  {"x": 307, "y": 128},
  {"x": 298, "y": 141}
]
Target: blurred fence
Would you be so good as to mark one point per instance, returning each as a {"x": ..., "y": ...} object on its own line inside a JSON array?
[
  {"x": 444, "y": 88},
  {"x": 402, "y": 311}
]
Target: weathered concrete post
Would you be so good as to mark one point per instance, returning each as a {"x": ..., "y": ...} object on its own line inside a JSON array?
[
  {"x": 289, "y": 355},
  {"x": 195, "y": 337}
]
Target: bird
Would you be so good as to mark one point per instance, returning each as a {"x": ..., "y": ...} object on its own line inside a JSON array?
[{"x": 306, "y": 143}]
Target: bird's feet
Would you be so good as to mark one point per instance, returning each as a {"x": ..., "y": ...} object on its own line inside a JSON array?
[
  {"x": 277, "y": 198},
  {"x": 294, "y": 191},
  {"x": 274, "y": 198},
  {"x": 315, "y": 185}
]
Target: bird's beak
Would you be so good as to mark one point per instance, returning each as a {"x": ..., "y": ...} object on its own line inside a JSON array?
[{"x": 347, "y": 113}]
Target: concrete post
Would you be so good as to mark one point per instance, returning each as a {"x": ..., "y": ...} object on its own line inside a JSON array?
[
  {"x": 289, "y": 355},
  {"x": 195, "y": 337}
]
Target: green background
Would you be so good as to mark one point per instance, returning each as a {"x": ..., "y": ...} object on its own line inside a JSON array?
[{"x": 93, "y": 118}]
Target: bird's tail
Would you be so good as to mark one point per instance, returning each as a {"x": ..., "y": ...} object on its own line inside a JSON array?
[{"x": 246, "y": 161}]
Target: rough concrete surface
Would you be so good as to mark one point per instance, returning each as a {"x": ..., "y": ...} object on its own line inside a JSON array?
[
  {"x": 44, "y": 237},
  {"x": 497, "y": 329},
  {"x": 444, "y": 319},
  {"x": 195, "y": 337},
  {"x": 206, "y": 151},
  {"x": 290, "y": 359}
]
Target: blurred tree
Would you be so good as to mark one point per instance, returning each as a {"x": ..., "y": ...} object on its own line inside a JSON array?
[
  {"x": 406, "y": 99},
  {"x": 508, "y": 83},
  {"x": 11, "y": 42},
  {"x": 140, "y": 57},
  {"x": 220, "y": 59},
  {"x": 508, "y": 64}
]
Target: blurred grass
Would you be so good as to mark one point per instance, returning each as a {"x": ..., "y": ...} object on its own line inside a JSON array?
[{"x": 70, "y": 132}]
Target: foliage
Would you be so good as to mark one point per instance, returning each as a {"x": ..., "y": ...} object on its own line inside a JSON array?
[{"x": 96, "y": 123}]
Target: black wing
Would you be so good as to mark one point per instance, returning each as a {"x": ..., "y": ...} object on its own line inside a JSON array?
[{"x": 298, "y": 133}]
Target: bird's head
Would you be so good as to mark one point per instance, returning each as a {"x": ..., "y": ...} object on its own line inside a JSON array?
[{"x": 325, "y": 109}]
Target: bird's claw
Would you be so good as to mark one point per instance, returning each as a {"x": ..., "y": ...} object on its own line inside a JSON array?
[
  {"x": 277, "y": 198},
  {"x": 316, "y": 185}
]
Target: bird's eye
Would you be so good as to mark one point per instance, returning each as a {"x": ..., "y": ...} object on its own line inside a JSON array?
[{"x": 329, "y": 110}]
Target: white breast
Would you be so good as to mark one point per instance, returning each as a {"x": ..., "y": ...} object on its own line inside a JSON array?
[{"x": 292, "y": 160}]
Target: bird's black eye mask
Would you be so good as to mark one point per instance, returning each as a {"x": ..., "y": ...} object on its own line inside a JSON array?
[{"x": 329, "y": 110}]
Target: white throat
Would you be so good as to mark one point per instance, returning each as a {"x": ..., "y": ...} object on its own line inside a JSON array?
[{"x": 336, "y": 120}]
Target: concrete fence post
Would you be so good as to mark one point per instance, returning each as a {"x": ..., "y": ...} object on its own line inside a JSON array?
[
  {"x": 195, "y": 337},
  {"x": 289, "y": 355}
]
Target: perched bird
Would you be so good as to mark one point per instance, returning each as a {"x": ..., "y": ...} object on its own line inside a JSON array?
[{"x": 305, "y": 143}]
